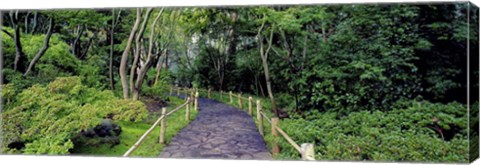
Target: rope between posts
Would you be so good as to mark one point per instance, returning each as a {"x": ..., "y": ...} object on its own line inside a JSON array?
[
  {"x": 140, "y": 140},
  {"x": 295, "y": 145},
  {"x": 283, "y": 133},
  {"x": 178, "y": 108},
  {"x": 266, "y": 117}
]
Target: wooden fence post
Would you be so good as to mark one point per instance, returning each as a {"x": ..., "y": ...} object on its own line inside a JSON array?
[
  {"x": 163, "y": 126},
  {"x": 209, "y": 89},
  {"x": 178, "y": 91},
  {"x": 308, "y": 153},
  {"x": 187, "y": 112},
  {"x": 240, "y": 101},
  {"x": 171, "y": 90},
  {"x": 275, "y": 147},
  {"x": 231, "y": 99},
  {"x": 259, "y": 118},
  {"x": 196, "y": 101},
  {"x": 191, "y": 93},
  {"x": 186, "y": 93},
  {"x": 250, "y": 105}
]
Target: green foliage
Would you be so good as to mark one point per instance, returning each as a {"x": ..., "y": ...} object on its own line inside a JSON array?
[
  {"x": 57, "y": 58},
  {"x": 94, "y": 72},
  {"x": 132, "y": 131},
  {"x": 161, "y": 87},
  {"x": 45, "y": 118},
  {"x": 366, "y": 64},
  {"x": 403, "y": 134}
]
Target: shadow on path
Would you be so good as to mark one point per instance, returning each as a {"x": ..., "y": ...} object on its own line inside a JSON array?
[{"x": 219, "y": 131}]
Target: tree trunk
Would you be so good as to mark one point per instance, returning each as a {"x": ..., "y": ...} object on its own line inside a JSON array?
[
  {"x": 269, "y": 86},
  {"x": 264, "y": 55},
  {"x": 146, "y": 66},
  {"x": 138, "y": 48},
  {"x": 139, "y": 82},
  {"x": 26, "y": 22},
  {"x": 159, "y": 66},
  {"x": 110, "y": 65},
  {"x": 89, "y": 43},
  {"x": 19, "y": 55},
  {"x": 221, "y": 81},
  {"x": 261, "y": 87},
  {"x": 35, "y": 19},
  {"x": 42, "y": 50},
  {"x": 123, "y": 62},
  {"x": 166, "y": 61},
  {"x": 76, "y": 44}
]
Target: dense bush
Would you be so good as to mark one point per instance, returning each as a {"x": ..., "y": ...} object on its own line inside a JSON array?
[
  {"x": 367, "y": 63},
  {"x": 56, "y": 61},
  {"x": 57, "y": 58},
  {"x": 161, "y": 87},
  {"x": 409, "y": 133},
  {"x": 44, "y": 119}
]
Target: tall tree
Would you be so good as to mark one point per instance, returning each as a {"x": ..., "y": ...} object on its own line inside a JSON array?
[
  {"x": 123, "y": 63},
  {"x": 138, "y": 48},
  {"x": 264, "y": 52},
  {"x": 115, "y": 22},
  {"x": 149, "y": 60}
]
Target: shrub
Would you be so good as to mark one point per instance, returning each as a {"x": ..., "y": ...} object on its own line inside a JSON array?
[
  {"x": 161, "y": 88},
  {"x": 408, "y": 134},
  {"x": 44, "y": 119},
  {"x": 57, "y": 55}
]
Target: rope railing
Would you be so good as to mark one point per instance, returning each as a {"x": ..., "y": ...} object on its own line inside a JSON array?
[
  {"x": 295, "y": 145},
  {"x": 162, "y": 121},
  {"x": 306, "y": 150},
  {"x": 266, "y": 117}
]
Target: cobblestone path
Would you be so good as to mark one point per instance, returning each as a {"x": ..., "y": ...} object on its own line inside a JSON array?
[{"x": 219, "y": 131}]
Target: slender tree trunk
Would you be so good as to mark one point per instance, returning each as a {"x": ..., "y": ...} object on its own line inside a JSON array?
[
  {"x": 19, "y": 54},
  {"x": 35, "y": 19},
  {"x": 221, "y": 81},
  {"x": 76, "y": 44},
  {"x": 123, "y": 63},
  {"x": 257, "y": 90},
  {"x": 42, "y": 50},
  {"x": 136, "y": 57},
  {"x": 147, "y": 65},
  {"x": 158, "y": 69},
  {"x": 110, "y": 65},
  {"x": 166, "y": 61},
  {"x": 261, "y": 88},
  {"x": 26, "y": 22},
  {"x": 89, "y": 43},
  {"x": 160, "y": 66},
  {"x": 138, "y": 48},
  {"x": 264, "y": 55},
  {"x": 269, "y": 86}
]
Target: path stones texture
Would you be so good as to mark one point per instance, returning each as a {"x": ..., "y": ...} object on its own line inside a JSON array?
[{"x": 219, "y": 131}]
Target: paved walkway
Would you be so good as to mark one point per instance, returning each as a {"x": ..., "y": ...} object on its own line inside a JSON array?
[{"x": 219, "y": 131}]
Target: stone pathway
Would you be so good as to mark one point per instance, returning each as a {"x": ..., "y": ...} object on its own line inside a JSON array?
[{"x": 219, "y": 131}]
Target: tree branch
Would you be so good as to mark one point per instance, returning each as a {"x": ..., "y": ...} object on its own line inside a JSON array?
[
  {"x": 8, "y": 33},
  {"x": 42, "y": 50}
]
